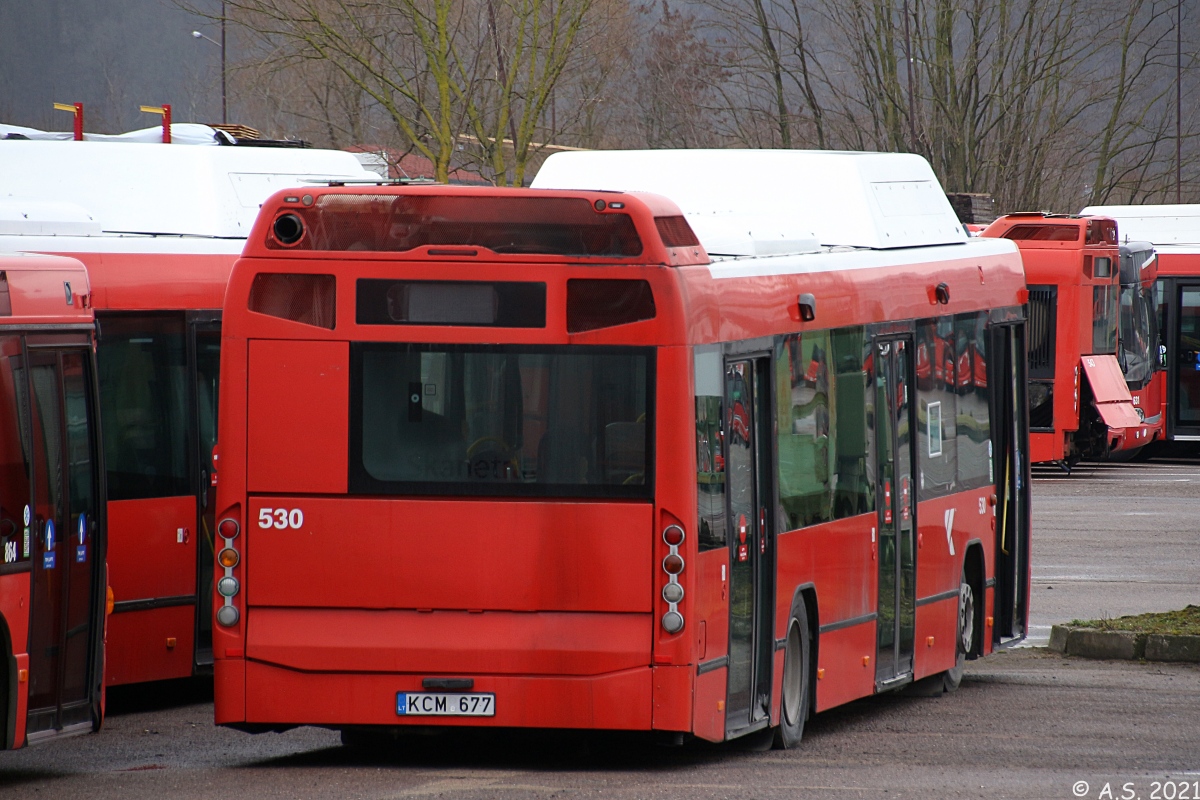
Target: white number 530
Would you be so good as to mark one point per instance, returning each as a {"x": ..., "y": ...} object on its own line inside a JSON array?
[{"x": 281, "y": 518}]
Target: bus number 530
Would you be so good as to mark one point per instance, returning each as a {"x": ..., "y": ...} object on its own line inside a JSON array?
[{"x": 281, "y": 518}]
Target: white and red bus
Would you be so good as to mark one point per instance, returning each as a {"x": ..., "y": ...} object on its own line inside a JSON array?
[
  {"x": 1174, "y": 233},
  {"x": 533, "y": 458},
  {"x": 1081, "y": 323},
  {"x": 52, "y": 514},
  {"x": 159, "y": 228}
]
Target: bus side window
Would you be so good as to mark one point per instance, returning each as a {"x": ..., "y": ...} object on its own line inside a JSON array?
[
  {"x": 854, "y": 478},
  {"x": 943, "y": 370},
  {"x": 973, "y": 425}
]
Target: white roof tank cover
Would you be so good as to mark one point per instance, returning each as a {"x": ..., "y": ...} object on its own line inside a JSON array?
[
  {"x": 760, "y": 202},
  {"x": 159, "y": 189},
  {"x": 1165, "y": 224}
]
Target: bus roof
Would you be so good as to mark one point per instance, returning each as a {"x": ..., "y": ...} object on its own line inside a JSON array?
[
  {"x": 1158, "y": 224},
  {"x": 38, "y": 288},
  {"x": 759, "y": 202},
  {"x": 86, "y": 188}
]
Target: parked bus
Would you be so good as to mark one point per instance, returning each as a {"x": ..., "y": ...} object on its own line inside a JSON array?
[
  {"x": 52, "y": 514},
  {"x": 534, "y": 458},
  {"x": 159, "y": 228},
  {"x": 1139, "y": 345},
  {"x": 1080, "y": 406},
  {"x": 1174, "y": 232}
]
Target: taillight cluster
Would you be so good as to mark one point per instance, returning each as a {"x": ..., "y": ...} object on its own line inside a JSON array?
[
  {"x": 227, "y": 585},
  {"x": 672, "y": 592}
]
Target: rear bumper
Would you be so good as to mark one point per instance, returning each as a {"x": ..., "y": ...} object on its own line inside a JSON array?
[
  {"x": 277, "y": 696},
  {"x": 339, "y": 667}
]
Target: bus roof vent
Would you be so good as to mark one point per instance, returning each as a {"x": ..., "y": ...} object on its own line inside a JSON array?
[
  {"x": 24, "y": 216},
  {"x": 776, "y": 200}
]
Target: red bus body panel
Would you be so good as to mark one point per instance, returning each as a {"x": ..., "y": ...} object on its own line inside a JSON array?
[{"x": 151, "y": 562}]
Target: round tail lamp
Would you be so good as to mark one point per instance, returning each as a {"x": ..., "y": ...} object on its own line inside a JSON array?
[
  {"x": 673, "y": 564},
  {"x": 672, "y": 593},
  {"x": 228, "y": 528},
  {"x": 228, "y": 558},
  {"x": 673, "y": 535}
]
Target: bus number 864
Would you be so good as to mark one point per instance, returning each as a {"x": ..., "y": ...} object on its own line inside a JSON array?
[{"x": 281, "y": 518}]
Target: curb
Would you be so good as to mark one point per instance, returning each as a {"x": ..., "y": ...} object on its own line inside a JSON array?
[{"x": 1095, "y": 643}]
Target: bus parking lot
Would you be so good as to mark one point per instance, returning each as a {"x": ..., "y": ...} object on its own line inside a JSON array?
[{"x": 1109, "y": 539}]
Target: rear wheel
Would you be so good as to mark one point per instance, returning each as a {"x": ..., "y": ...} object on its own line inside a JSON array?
[
  {"x": 794, "y": 703},
  {"x": 964, "y": 640}
]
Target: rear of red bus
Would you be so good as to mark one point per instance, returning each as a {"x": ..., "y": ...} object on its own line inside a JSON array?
[
  {"x": 438, "y": 502},
  {"x": 1079, "y": 404},
  {"x": 52, "y": 511}
]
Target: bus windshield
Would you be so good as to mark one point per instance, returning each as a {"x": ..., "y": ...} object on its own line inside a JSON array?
[
  {"x": 1139, "y": 339},
  {"x": 509, "y": 421}
]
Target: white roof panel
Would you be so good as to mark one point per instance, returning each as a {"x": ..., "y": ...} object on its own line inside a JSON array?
[
  {"x": 876, "y": 200},
  {"x": 164, "y": 189},
  {"x": 1159, "y": 224}
]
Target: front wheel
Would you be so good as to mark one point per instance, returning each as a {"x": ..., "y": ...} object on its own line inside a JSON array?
[{"x": 796, "y": 681}]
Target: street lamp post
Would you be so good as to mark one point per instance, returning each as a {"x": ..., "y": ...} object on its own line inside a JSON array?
[{"x": 220, "y": 44}]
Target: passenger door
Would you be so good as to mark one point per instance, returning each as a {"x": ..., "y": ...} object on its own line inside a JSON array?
[
  {"x": 66, "y": 602},
  {"x": 204, "y": 345},
  {"x": 896, "y": 503},
  {"x": 1183, "y": 362},
  {"x": 1010, "y": 437},
  {"x": 750, "y": 496}
]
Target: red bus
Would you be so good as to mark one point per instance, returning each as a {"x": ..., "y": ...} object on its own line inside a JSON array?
[
  {"x": 1174, "y": 232},
  {"x": 1140, "y": 352},
  {"x": 530, "y": 458},
  {"x": 159, "y": 228},
  {"x": 52, "y": 514},
  {"x": 1080, "y": 406}
]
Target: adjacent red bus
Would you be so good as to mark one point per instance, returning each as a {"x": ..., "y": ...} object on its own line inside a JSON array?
[
  {"x": 1080, "y": 406},
  {"x": 1174, "y": 233},
  {"x": 159, "y": 228},
  {"x": 52, "y": 514},
  {"x": 530, "y": 458}
]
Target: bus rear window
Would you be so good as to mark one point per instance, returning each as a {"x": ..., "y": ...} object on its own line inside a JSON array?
[
  {"x": 561, "y": 226},
  {"x": 501, "y": 420}
]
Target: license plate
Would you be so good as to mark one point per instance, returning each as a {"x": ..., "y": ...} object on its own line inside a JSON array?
[{"x": 445, "y": 704}]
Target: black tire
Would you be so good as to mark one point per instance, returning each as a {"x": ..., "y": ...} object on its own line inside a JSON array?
[
  {"x": 964, "y": 635},
  {"x": 797, "y": 679}
]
